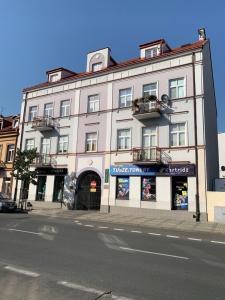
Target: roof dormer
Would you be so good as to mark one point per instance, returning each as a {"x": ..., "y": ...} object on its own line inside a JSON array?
[
  {"x": 153, "y": 49},
  {"x": 59, "y": 73},
  {"x": 99, "y": 59}
]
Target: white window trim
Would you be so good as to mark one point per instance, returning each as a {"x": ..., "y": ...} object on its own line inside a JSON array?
[
  {"x": 151, "y": 48},
  {"x": 117, "y": 145},
  {"x": 157, "y": 135},
  {"x": 157, "y": 87},
  {"x": 96, "y": 111},
  {"x": 48, "y": 109},
  {"x": 92, "y": 132},
  {"x": 132, "y": 96},
  {"x": 185, "y": 87},
  {"x": 10, "y": 151},
  {"x": 31, "y": 120},
  {"x": 64, "y": 135},
  {"x": 26, "y": 143},
  {"x": 61, "y": 108},
  {"x": 41, "y": 148},
  {"x": 185, "y": 135}
]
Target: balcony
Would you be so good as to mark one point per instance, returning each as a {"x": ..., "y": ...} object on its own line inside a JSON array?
[
  {"x": 146, "y": 108},
  {"x": 147, "y": 155},
  {"x": 45, "y": 160},
  {"x": 43, "y": 123}
]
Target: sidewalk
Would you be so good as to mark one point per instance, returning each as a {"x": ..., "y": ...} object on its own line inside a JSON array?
[{"x": 159, "y": 222}]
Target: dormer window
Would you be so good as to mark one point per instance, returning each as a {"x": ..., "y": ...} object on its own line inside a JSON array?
[
  {"x": 1, "y": 124},
  {"x": 53, "y": 77},
  {"x": 15, "y": 123},
  {"x": 97, "y": 67},
  {"x": 152, "y": 52}
]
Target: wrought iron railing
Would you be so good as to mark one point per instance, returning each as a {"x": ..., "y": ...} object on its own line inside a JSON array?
[
  {"x": 148, "y": 154},
  {"x": 43, "y": 123},
  {"x": 45, "y": 160},
  {"x": 147, "y": 107}
]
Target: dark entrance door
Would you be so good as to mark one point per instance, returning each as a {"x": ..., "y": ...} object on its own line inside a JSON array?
[
  {"x": 88, "y": 191},
  {"x": 58, "y": 189},
  {"x": 179, "y": 193},
  {"x": 41, "y": 186}
]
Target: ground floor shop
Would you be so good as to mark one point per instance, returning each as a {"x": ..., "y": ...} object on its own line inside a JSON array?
[{"x": 168, "y": 187}]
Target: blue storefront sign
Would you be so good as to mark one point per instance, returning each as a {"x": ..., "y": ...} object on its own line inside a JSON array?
[{"x": 166, "y": 170}]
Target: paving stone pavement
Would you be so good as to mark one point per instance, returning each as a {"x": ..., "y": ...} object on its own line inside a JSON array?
[{"x": 157, "y": 222}]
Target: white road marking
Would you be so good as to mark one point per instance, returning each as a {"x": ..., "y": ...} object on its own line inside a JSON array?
[
  {"x": 89, "y": 290},
  {"x": 154, "y": 253},
  {"x": 22, "y": 271},
  {"x": 89, "y": 225},
  {"x": 194, "y": 239},
  {"x": 153, "y": 233},
  {"x": 173, "y": 236},
  {"x": 136, "y": 231},
  {"x": 25, "y": 231},
  {"x": 103, "y": 227},
  {"x": 217, "y": 242},
  {"x": 118, "y": 229}
]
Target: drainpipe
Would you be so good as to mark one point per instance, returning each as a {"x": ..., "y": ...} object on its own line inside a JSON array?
[
  {"x": 21, "y": 141},
  {"x": 197, "y": 213}
]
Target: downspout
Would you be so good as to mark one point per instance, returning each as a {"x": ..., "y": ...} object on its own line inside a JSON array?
[
  {"x": 21, "y": 140},
  {"x": 197, "y": 213}
]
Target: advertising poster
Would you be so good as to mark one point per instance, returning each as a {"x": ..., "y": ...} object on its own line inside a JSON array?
[
  {"x": 181, "y": 197},
  {"x": 122, "y": 188},
  {"x": 148, "y": 190}
]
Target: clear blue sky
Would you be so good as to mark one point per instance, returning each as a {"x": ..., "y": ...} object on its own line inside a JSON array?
[{"x": 38, "y": 35}]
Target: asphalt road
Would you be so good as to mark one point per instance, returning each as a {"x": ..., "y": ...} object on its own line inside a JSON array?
[{"x": 48, "y": 258}]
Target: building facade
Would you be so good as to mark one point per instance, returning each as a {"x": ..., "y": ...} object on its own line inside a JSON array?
[
  {"x": 9, "y": 129},
  {"x": 140, "y": 134}
]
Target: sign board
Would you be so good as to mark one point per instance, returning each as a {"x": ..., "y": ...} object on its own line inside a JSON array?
[
  {"x": 106, "y": 175},
  {"x": 158, "y": 170},
  {"x": 93, "y": 190},
  {"x": 220, "y": 185},
  {"x": 52, "y": 171}
]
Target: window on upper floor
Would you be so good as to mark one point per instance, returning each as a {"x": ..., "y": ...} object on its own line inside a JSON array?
[
  {"x": 29, "y": 144},
  {"x": 65, "y": 108},
  {"x": 123, "y": 139},
  {"x": 152, "y": 52},
  {"x": 15, "y": 123},
  {"x": 1, "y": 124},
  {"x": 96, "y": 67},
  {"x": 178, "y": 134},
  {"x": 93, "y": 103},
  {"x": 150, "y": 89},
  {"x": 45, "y": 146},
  {"x": 149, "y": 137},
  {"x": 91, "y": 142},
  {"x": 63, "y": 144},
  {"x": 32, "y": 113},
  {"x": 125, "y": 97},
  {"x": 177, "y": 89},
  {"x": 48, "y": 110},
  {"x": 1, "y": 152},
  {"x": 10, "y": 153},
  {"x": 53, "y": 77}
]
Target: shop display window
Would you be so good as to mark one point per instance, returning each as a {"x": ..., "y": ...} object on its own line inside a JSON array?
[
  {"x": 122, "y": 188},
  {"x": 148, "y": 188}
]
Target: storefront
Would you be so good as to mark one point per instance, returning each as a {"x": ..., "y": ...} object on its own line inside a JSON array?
[{"x": 167, "y": 186}]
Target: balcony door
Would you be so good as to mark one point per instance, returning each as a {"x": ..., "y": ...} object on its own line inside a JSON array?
[
  {"x": 149, "y": 142},
  {"x": 45, "y": 150}
]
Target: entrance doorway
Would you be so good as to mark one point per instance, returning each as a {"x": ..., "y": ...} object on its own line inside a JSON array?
[
  {"x": 58, "y": 189},
  {"x": 88, "y": 191},
  {"x": 179, "y": 193},
  {"x": 41, "y": 187}
]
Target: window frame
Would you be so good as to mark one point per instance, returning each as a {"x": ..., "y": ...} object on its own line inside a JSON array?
[
  {"x": 127, "y": 95},
  {"x": 123, "y": 129},
  {"x": 31, "y": 119},
  {"x": 86, "y": 141},
  {"x": 156, "y": 135},
  {"x": 128, "y": 197},
  {"x": 32, "y": 139},
  {"x": 95, "y": 101},
  {"x": 67, "y": 142},
  {"x": 63, "y": 107},
  {"x": 12, "y": 153},
  {"x": 96, "y": 64},
  {"x": 157, "y": 88},
  {"x": 177, "y": 135},
  {"x": 48, "y": 116},
  {"x": 41, "y": 150},
  {"x": 184, "y": 88},
  {"x": 151, "y": 50}
]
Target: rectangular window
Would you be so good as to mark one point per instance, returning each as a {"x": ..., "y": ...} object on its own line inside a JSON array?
[
  {"x": 176, "y": 88},
  {"x": 96, "y": 67},
  {"x": 123, "y": 139},
  {"x": 93, "y": 103},
  {"x": 91, "y": 141},
  {"x": 150, "y": 89},
  {"x": 1, "y": 124},
  {"x": 29, "y": 144},
  {"x": 178, "y": 134},
  {"x": 63, "y": 144},
  {"x": 149, "y": 137},
  {"x": 148, "y": 188},
  {"x": 122, "y": 188},
  {"x": 65, "y": 108},
  {"x": 32, "y": 113},
  {"x": 10, "y": 153},
  {"x": 45, "y": 146},
  {"x": 1, "y": 152},
  {"x": 151, "y": 52},
  {"x": 48, "y": 110},
  {"x": 125, "y": 97}
]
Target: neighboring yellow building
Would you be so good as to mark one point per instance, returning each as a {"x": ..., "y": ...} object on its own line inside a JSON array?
[{"x": 9, "y": 129}]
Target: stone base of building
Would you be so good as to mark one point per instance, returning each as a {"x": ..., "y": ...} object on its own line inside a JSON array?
[{"x": 151, "y": 213}]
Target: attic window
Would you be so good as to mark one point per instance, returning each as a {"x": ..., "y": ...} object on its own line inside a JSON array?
[
  {"x": 15, "y": 123},
  {"x": 1, "y": 124},
  {"x": 96, "y": 67},
  {"x": 152, "y": 52},
  {"x": 53, "y": 77}
]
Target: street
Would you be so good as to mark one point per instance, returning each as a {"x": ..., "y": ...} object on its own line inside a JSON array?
[{"x": 50, "y": 258}]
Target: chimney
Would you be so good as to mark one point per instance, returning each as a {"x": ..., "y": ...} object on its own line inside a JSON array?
[{"x": 201, "y": 34}]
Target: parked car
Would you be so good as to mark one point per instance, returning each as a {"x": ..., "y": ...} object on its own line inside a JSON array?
[{"x": 6, "y": 204}]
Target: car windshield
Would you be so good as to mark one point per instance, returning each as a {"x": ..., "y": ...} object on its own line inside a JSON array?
[{"x": 4, "y": 196}]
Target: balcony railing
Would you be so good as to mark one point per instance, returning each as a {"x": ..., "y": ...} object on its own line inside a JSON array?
[
  {"x": 148, "y": 154},
  {"x": 146, "y": 108},
  {"x": 43, "y": 123},
  {"x": 45, "y": 160}
]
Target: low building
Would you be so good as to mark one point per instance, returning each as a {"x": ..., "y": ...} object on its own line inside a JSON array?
[
  {"x": 9, "y": 127},
  {"x": 129, "y": 136}
]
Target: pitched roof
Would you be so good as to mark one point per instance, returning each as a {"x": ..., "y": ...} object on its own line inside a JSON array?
[{"x": 124, "y": 64}]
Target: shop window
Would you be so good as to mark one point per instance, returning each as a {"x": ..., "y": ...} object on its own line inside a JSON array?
[
  {"x": 148, "y": 188},
  {"x": 122, "y": 188}
]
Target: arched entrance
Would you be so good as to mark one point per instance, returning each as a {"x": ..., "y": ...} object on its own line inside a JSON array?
[{"x": 88, "y": 191}]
